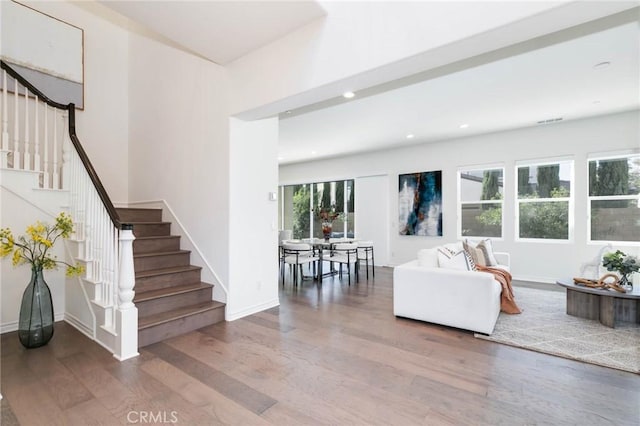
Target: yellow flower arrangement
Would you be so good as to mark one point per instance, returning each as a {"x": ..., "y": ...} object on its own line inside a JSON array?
[{"x": 33, "y": 248}]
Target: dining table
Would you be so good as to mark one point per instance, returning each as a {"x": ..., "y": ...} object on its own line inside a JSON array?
[{"x": 322, "y": 245}]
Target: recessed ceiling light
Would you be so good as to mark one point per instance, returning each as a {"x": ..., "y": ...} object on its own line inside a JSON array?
[
  {"x": 280, "y": 158},
  {"x": 411, "y": 136},
  {"x": 348, "y": 95},
  {"x": 596, "y": 102},
  {"x": 601, "y": 65},
  {"x": 313, "y": 152},
  {"x": 464, "y": 126}
]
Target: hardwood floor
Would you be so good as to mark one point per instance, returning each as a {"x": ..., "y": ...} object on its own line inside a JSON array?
[{"x": 328, "y": 355}]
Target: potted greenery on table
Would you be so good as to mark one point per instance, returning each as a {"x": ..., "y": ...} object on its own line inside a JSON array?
[{"x": 624, "y": 265}]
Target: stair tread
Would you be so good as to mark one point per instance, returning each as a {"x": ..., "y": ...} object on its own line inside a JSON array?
[
  {"x": 169, "y": 291},
  {"x": 147, "y": 223},
  {"x": 155, "y": 237},
  {"x": 168, "y": 316},
  {"x": 161, "y": 253},
  {"x": 164, "y": 271}
]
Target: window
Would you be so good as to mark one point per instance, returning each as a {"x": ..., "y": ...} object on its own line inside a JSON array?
[
  {"x": 614, "y": 203},
  {"x": 296, "y": 208},
  {"x": 544, "y": 203},
  {"x": 481, "y": 197},
  {"x": 300, "y": 203}
]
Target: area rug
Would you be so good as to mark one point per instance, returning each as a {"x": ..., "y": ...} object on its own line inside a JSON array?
[{"x": 545, "y": 327}]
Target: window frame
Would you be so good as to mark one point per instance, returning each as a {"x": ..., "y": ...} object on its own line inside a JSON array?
[
  {"x": 570, "y": 200},
  {"x": 590, "y": 198},
  {"x": 460, "y": 203},
  {"x": 312, "y": 188}
]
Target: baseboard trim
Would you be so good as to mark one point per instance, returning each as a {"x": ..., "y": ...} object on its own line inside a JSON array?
[
  {"x": 232, "y": 316},
  {"x": 8, "y": 327},
  {"x": 79, "y": 325}
]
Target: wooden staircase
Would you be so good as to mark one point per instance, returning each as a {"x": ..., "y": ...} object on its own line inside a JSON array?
[{"x": 170, "y": 297}]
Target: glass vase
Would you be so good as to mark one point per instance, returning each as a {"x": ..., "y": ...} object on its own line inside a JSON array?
[
  {"x": 35, "y": 326},
  {"x": 625, "y": 282},
  {"x": 327, "y": 228}
]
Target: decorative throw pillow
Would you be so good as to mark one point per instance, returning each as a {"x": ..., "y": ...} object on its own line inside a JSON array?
[
  {"x": 470, "y": 261},
  {"x": 428, "y": 258},
  {"x": 476, "y": 254},
  {"x": 487, "y": 251},
  {"x": 447, "y": 259}
]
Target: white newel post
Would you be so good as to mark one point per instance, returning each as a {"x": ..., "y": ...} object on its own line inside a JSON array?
[{"x": 126, "y": 312}]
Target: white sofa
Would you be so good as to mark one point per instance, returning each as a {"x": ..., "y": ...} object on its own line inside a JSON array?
[{"x": 463, "y": 299}]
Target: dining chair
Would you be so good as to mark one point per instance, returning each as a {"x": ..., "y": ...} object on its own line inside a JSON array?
[
  {"x": 284, "y": 235},
  {"x": 296, "y": 255},
  {"x": 346, "y": 254},
  {"x": 365, "y": 252}
]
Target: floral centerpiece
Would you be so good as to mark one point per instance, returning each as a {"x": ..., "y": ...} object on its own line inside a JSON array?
[
  {"x": 327, "y": 216},
  {"x": 622, "y": 263},
  {"x": 35, "y": 326}
]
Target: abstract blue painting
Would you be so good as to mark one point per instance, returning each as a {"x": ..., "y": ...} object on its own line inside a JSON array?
[{"x": 420, "y": 204}]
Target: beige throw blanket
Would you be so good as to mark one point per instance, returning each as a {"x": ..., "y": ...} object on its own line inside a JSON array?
[{"x": 507, "y": 300}]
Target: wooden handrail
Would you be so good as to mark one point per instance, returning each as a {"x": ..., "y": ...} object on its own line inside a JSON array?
[
  {"x": 13, "y": 73},
  {"x": 113, "y": 214}
]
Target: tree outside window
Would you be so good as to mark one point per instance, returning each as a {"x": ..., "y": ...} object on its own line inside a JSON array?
[
  {"x": 481, "y": 198},
  {"x": 614, "y": 200},
  {"x": 544, "y": 200}
]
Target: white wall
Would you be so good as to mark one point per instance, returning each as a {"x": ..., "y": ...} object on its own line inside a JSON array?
[
  {"x": 534, "y": 261},
  {"x": 18, "y": 209},
  {"x": 368, "y": 190},
  {"x": 253, "y": 244},
  {"x": 179, "y": 142},
  {"x": 103, "y": 125}
]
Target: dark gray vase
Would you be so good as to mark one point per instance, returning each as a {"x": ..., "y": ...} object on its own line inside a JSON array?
[{"x": 35, "y": 327}]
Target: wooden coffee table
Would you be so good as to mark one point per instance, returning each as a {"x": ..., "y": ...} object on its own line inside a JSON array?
[{"x": 606, "y": 306}]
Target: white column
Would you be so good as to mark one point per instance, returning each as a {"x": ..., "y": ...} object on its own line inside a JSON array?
[{"x": 126, "y": 312}]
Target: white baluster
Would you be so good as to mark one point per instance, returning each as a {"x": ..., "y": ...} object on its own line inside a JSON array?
[
  {"x": 4, "y": 141},
  {"x": 5, "y": 114},
  {"x": 36, "y": 131},
  {"x": 46, "y": 180},
  {"x": 27, "y": 146},
  {"x": 16, "y": 130},
  {"x": 127, "y": 313},
  {"x": 66, "y": 151},
  {"x": 55, "y": 176}
]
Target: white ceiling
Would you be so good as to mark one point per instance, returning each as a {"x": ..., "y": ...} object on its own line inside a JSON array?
[
  {"x": 533, "y": 84},
  {"x": 220, "y": 31},
  {"x": 555, "y": 81}
]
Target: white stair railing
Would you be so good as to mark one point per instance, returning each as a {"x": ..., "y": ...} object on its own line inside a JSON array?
[
  {"x": 30, "y": 142},
  {"x": 49, "y": 147}
]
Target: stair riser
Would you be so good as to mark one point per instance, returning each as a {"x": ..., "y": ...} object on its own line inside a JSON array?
[
  {"x": 140, "y": 215},
  {"x": 156, "y": 245},
  {"x": 162, "y": 304},
  {"x": 151, "y": 229},
  {"x": 180, "y": 326},
  {"x": 162, "y": 261},
  {"x": 167, "y": 280}
]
